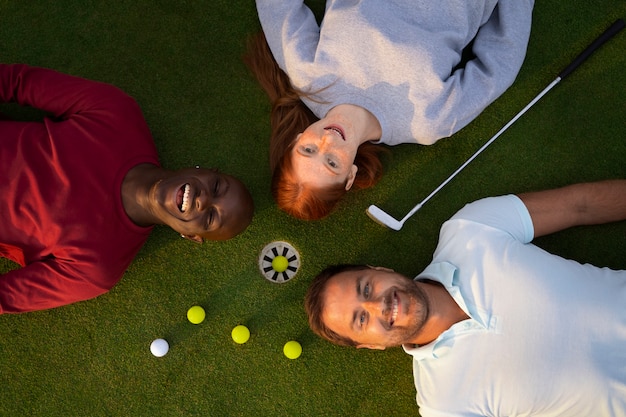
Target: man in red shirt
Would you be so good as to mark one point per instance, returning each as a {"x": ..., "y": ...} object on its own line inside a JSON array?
[{"x": 82, "y": 190}]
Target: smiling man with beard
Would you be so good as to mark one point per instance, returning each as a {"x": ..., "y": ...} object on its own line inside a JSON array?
[
  {"x": 496, "y": 326},
  {"x": 82, "y": 190}
]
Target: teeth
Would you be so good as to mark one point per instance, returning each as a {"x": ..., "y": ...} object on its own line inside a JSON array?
[
  {"x": 394, "y": 310},
  {"x": 185, "y": 204},
  {"x": 334, "y": 129}
]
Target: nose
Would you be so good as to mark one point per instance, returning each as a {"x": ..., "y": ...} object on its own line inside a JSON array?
[
  {"x": 374, "y": 307},
  {"x": 203, "y": 201},
  {"x": 324, "y": 140}
]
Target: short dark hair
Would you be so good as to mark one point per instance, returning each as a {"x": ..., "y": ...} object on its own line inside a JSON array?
[{"x": 314, "y": 303}]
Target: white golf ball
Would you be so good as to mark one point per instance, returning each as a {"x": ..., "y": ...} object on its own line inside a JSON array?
[{"x": 159, "y": 347}]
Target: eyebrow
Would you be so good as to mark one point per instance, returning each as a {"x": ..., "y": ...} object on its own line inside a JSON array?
[
  {"x": 353, "y": 325},
  {"x": 226, "y": 187},
  {"x": 218, "y": 212},
  {"x": 222, "y": 193}
]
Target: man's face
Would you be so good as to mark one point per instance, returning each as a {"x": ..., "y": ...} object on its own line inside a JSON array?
[
  {"x": 203, "y": 204},
  {"x": 375, "y": 307}
]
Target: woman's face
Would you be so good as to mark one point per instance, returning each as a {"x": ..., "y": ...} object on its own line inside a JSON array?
[{"x": 324, "y": 153}]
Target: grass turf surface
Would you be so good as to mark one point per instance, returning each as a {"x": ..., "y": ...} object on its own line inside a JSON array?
[{"x": 181, "y": 61}]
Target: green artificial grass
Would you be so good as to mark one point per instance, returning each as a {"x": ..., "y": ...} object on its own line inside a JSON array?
[{"x": 182, "y": 62}]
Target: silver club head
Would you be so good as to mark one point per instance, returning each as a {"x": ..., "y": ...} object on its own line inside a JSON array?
[{"x": 379, "y": 216}]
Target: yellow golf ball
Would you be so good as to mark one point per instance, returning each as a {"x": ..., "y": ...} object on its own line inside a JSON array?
[
  {"x": 240, "y": 334},
  {"x": 196, "y": 314},
  {"x": 292, "y": 349},
  {"x": 280, "y": 263}
]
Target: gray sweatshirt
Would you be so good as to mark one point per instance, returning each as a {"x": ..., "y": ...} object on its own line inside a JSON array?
[{"x": 395, "y": 58}]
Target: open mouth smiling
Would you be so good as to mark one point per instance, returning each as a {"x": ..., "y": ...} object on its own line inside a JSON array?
[
  {"x": 336, "y": 130},
  {"x": 182, "y": 198}
]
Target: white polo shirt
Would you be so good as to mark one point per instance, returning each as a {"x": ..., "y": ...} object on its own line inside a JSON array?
[{"x": 546, "y": 337}]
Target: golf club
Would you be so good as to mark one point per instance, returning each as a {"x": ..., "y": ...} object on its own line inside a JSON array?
[{"x": 380, "y": 216}]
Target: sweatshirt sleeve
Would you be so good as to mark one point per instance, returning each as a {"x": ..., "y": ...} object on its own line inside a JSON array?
[
  {"x": 499, "y": 49},
  {"x": 61, "y": 95},
  {"x": 48, "y": 284},
  {"x": 291, "y": 31}
]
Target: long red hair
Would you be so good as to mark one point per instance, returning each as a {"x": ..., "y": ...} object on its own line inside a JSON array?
[{"x": 289, "y": 117}]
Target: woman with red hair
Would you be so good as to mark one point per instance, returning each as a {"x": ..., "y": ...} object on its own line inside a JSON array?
[{"x": 375, "y": 73}]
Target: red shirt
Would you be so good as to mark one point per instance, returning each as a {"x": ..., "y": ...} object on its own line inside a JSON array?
[{"x": 61, "y": 213}]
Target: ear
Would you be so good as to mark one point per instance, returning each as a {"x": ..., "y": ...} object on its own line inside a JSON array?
[
  {"x": 351, "y": 176},
  {"x": 193, "y": 238},
  {"x": 367, "y": 346}
]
